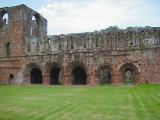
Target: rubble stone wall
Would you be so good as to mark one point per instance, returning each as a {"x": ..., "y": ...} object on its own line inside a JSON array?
[{"x": 136, "y": 49}]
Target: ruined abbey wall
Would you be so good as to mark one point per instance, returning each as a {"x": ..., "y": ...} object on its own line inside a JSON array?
[{"x": 82, "y": 58}]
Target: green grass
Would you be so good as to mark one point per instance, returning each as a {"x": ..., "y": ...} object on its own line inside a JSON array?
[{"x": 80, "y": 102}]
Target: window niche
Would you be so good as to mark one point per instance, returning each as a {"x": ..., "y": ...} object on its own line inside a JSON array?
[
  {"x": 72, "y": 45},
  {"x": 59, "y": 46},
  {"x": 97, "y": 44},
  {"x": 4, "y": 19},
  {"x": 8, "y": 48},
  {"x": 35, "y": 25}
]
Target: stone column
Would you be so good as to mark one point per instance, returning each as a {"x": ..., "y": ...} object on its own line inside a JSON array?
[
  {"x": 67, "y": 74},
  {"x": 67, "y": 79},
  {"x": 138, "y": 78},
  {"x": 26, "y": 79},
  {"x": 117, "y": 77},
  {"x": 45, "y": 75},
  {"x": 93, "y": 78},
  {"x": 46, "y": 79},
  {"x": 88, "y": 79}
]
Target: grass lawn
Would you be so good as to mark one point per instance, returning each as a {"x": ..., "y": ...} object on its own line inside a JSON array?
[{"x": 36, "y": 102}]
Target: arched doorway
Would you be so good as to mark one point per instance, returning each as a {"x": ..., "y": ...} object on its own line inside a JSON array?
[
  {"x": 129, "y": 76},
  {"x": 79, "y": 76},
  {"x": 130, "y": 73},
  {"x": 11, "y": 79},
  {"x": 105, "y": 76},
  {"x": 36, "y": 76},
  {"x": 54, "y": 75}
]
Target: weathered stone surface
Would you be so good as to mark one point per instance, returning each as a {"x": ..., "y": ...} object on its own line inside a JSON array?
[{"x": 24, "y": 45}]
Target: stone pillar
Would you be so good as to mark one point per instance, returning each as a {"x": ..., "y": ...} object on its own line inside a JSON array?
[
  {"x": 1, "y": 78},
  {"x": 158, "y": 72},
  {"x": 93, "y": 78},
  {"x": 67, "y": 79},
  {"x": 149, "y": 73},
  {"x": 67, "y": 74},
  {"x": 26, "y": 79},
  {"x": 138, "y": 78},
  {"x": 46, "y": 79},
  {"x": 89, "y": 78},
  {"x": 117, "y": 77},
  {"x": 45, "y": 76}
]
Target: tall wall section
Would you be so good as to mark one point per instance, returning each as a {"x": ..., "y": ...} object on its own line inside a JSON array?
[
  {"x": 29, "y": 56},
  {"x": 16, "y": 27}
]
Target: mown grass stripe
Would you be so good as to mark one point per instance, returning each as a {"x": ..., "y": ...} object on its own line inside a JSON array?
[{"x": 80, "y": 103}]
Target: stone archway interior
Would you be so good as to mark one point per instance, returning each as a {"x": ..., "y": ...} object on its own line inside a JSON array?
[
  {"x": 129, "y": 76},
  {"x": 105, "y": 76},
  {"x": 54, "y": 76},
  {"x": 36, "y": 76},
  {"x": 79, "y": 76},
  {"x": 11, "y": 78}
]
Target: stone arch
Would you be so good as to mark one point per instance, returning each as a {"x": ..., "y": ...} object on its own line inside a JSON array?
[
  {"x": 105, "y": 74},
  {"x": 55, "y": 73},
  {"x": 35, "y": 73},
  {"x": 129, "y": 73},
  {"x": 79, "y": 74}
]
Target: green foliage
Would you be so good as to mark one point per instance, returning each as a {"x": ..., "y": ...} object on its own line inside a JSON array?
[
  {"x": 130, "y": 81},
  {"x": 148, "y": 27},
  {"x": 117, "y": 29},
  {"x": 35, "y": 102},
  {"x": 143, "y": 47},
  {"x": 130, "y": 28},
  {"x": 112, "y": 29}
]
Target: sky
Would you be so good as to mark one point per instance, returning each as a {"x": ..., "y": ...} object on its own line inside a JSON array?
[{"x": 75, "y": 16}]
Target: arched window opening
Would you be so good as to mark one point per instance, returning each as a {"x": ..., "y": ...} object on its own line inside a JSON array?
[
  {"x": 97, "y": 41},
  {"x": 72, "y": 47},
  {"x": 79, "y": 76},
  {"x": 84, "y": 44},
  {"x": 60, "y": 46},
  {"x": 131, "y": 43},
  {"x": 28, "y": 47},
  {"x": 8, "y": 48},
  {"x": 33, "y": 18},
  {"x": 129, "y": 76},
  {"x": 36, "y": 76},
  {"x": 105, "y": 76},
  {"x": 54, "y": 76},
  {"x": 130, "y": 35},
  {"x": 11, "y": 79},
  {"x": 49, "y": 41},
  {"x": 35, "y": 25},
  {"x": 4, "y": 19}
]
